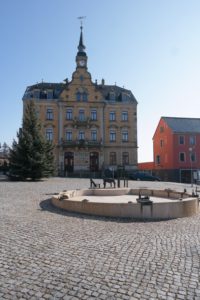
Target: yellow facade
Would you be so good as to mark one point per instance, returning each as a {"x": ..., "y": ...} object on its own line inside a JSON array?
[{"x": 93, "y": 126}]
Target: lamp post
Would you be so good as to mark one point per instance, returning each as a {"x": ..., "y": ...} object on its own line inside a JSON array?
[{"x": 190, "y": 151}]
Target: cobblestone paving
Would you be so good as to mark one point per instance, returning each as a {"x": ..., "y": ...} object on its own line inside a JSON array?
[{"x": 49, "y": 254}]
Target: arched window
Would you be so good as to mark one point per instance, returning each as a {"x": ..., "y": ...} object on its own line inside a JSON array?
[
  {"x": 82, "y": 96},
  {"x": 78, "y": 96}
]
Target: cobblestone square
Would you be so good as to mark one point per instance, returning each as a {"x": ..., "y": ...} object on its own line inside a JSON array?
[{"x": 49, "y": 254}]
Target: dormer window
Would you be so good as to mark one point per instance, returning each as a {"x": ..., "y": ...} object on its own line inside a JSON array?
[
  {"x": 49, "y": 94},
  {"x": 43, "y": 95},
  {"x": 125, "y": 97},
  {"x": 112, "y": 96},
  {"x": 36, "y": 94}
]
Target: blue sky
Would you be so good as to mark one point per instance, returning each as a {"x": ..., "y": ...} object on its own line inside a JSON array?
[{"x": 151, "y": 47}]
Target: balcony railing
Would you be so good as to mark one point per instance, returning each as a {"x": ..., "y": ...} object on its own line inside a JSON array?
[{"x": 85, "y": 143}]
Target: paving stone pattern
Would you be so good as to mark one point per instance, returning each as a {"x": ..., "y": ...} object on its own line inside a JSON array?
[{"x": 49, "y": 254}]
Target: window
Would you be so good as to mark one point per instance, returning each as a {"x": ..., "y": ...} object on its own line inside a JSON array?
[
  {"x": 181, "y": 140},
  {"x": 124, "y": 116},
  {"x": 192, "y": 156},
  {"x": 93, "y": 135},
  {"x": 78, "y": 96},
  {"x": 125, "y": 158},
  {"x": 49, "y": 114},
  {"x": 112, "y": 96},
  {"x": 158, "y": 159},
  {"x": 112, "y": 136},
  {"x": 81, "y": 135},
  {"x": 94, "y": 115},
  {"x": 49, "y": 94},
  {"x": 192, "y": 140},
  {"x": 161, "y": 129},
  {"x": 69, "y": 114},
  {"x": 81, "y": 115},
  {"x": 125, "y": 97},
  {"x": 182, "y": 156},
  {"x": 125, "y": 136},
  {"x": 69, "y": 136},
  {"x": 82, "y": 96},
  {"x": 43, "y": 95},
  {"x": 113, "y": 158},
  {"x": 112, "y": 116},
  {"x": 36, "y": 94},
  {"x": 161, "y": 143},
  {"x": 49, "y": 134}
]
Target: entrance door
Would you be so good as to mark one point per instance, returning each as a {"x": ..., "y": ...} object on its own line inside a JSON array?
[
  {"x": 69, "y": 161},
  {"x": 94, "y": 161}
]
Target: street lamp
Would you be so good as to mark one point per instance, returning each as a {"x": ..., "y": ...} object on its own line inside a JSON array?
[{"x": 190, "y": 151}]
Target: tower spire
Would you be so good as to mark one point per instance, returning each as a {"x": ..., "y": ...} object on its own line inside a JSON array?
[
  {"x": 81, "y": 46},
  {"x": 81, "y": 57}
]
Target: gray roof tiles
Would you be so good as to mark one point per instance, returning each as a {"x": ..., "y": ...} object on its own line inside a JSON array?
[
  {"x": 121, "y": 94},
  {"x": 180, "y": 125}
]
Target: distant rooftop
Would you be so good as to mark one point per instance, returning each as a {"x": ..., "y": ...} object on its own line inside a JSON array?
[{"x": 190, "y": 125}]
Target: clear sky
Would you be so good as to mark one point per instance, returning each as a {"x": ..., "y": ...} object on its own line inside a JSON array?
[{"x": 151, "y": 47}]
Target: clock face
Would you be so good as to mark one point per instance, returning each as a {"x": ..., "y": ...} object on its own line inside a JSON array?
[{"x": 81, "y": 63}]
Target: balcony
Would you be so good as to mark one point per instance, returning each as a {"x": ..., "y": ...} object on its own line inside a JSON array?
[
  {"x": 81, "y": 122},
  {"x": 82, "y": 143}
]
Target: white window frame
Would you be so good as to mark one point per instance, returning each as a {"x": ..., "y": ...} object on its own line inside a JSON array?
[
  {"x": 124, "y": 116},
  {"x": 69, "y": 114},
  {"x": 93, "y": 135},
  {"x": 192, "y": 140},
  {"x": 81, "y": 135},
  {"x": 183, "y": 139},
  {"x": 49, "y": 134},
  {"x": 112, "y": 136},
  {"x": 112, "y": 116},
  {"x": 125, "y": 136},
  {"x": 68, "y": 135},
  {"x": 49, "y": 113},
  {"x": 93, "y": 115}
]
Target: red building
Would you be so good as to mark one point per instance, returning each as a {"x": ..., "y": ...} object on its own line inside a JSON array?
[{"x": 176, "y": 147}]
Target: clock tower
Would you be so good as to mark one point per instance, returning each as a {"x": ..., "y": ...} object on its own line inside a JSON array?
[{"x": 81, "y": 57}]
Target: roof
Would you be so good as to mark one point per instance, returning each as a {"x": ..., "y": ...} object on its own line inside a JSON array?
[
  {"x": 57, "y": 88},
  {"x": 180, "y": 125},
  {"x": 120, "y": 94},
  {"x": 46, "y": 85}
]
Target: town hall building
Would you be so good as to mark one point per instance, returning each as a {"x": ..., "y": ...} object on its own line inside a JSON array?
[{"x": 93, "y": 126}]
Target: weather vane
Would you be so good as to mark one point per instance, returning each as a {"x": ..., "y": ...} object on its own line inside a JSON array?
[{"x": 81, "y": 19}]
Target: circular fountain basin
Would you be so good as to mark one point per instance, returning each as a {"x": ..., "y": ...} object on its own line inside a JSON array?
[{"x": 126, "y": 203}]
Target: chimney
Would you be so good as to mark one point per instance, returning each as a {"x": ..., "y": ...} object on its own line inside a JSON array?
[{"x": 102, "y": 81}]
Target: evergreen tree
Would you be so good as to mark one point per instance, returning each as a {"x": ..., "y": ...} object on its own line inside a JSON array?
[{"x": 31, "y": 156}]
